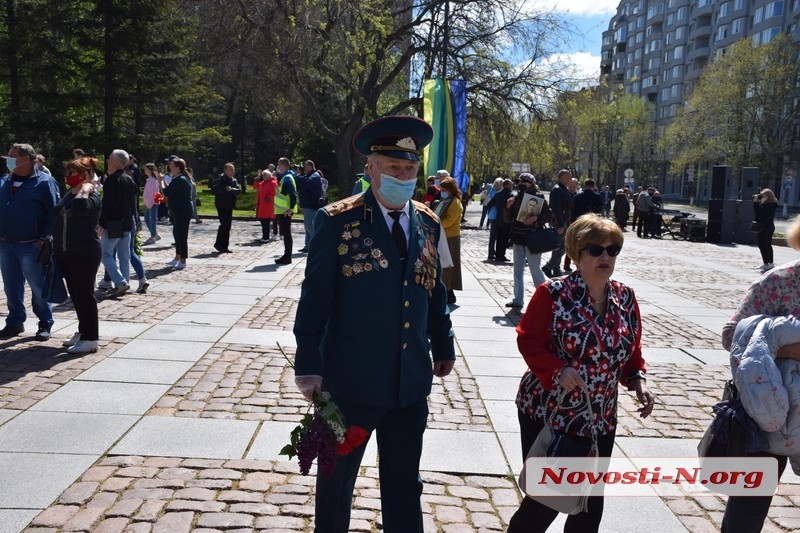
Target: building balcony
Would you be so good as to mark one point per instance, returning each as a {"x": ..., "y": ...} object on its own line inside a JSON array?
[
  {"x": 699, "y": 32},
  {"x": 656, "y": 19},
  {"x": 701, "y": 51},
  {"x": 707, "y": 9},
  {"x": 653, "y": 89}
]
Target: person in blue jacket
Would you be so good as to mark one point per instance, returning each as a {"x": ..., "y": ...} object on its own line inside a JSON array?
[
  {"x": 27, "y": 198},
  {"x": 373, "y": 261}
]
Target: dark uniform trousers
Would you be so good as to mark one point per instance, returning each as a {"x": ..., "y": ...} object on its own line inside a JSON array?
[{"x": 399, "y": 432}]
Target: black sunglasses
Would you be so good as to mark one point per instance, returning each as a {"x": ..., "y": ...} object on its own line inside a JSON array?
[{"x": 595, "y": 250}]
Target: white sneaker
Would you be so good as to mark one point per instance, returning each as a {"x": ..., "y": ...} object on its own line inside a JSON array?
[
  {"x": 104, "y": 285},
  {"x": 179, "y": 266},
  {"x": 173, "y": 262},
  {"x": 76, "y": 337},
  {"x": 143, "y": 285},
  {"x": 767, "y": 266},
  {"x": 83, "y": 347}
]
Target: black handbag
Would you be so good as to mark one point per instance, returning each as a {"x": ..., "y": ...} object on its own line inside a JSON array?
[
  {"x": 756, "y": 227},
  {"x": 541, "y": 240}
]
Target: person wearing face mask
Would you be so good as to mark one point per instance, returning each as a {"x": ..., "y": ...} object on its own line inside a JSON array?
[
  {"x": 374, "y": 258},
  {"x": 27, "y": 198},
  {"x": 78, "y": 251}
]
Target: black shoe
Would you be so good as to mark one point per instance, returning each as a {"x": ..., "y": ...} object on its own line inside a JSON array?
[
  {"x": 11, "y": 331},
  {"x": 43, "y": 333},
  {"x": 451, "y": 297},
  {"x": 490, "y": 258},
  {"x": 513, "y": 305},
  {"x": 303, "y": 250},
  {"x": 547, "y": 270},
  {"x": 501, "y": 259},
  {"x": 283, "y": 261}
]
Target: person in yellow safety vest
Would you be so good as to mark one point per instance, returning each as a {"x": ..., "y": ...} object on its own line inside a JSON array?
[
  {"x": 285, "y": 207},
  {"x": 363, "y": 183}
]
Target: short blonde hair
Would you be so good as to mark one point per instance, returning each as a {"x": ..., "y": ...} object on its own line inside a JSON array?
[
  {"x": 590, "y": 229},
  {"x": 769, "y": 196}
]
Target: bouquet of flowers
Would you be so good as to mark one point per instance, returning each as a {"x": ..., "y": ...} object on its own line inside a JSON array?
[{"x": 322, "y": 435}]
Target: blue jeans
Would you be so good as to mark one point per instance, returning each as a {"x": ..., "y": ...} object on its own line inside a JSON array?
[
  {"x": 18, "y": 264},
  {"x": 308, "y": 222},
  {"x": 119, "y": 273},
  {"x": 151, "y": 220},
  {"x": 522, "y": 254}
]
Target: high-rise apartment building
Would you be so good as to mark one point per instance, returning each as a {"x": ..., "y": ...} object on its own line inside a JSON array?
[{"x": 658, "y": 48}]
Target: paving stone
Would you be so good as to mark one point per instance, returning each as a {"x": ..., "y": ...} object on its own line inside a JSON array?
[
  {"x": 174, "y": 523},
  {"x": 55, "y": 516},
  {"x": 79, "y": 493},
  {"x": 112, "y": 525},
  {"x": 195, "y": 505},
  {"x": 225, "y": 520}
]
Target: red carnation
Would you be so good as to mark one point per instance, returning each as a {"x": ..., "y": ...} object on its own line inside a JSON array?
[{"x": 353, "y": 438}]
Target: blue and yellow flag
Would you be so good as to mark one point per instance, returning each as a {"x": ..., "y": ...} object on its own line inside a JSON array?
[{"x": 445, "y": 110}]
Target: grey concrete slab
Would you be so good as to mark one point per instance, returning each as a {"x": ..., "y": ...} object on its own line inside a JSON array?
[
  {"x": 497, "y": 388},
  {"x": 496, "y": 366},
  {"x": 503, "y": 414},
  {"x": 512, "y": 448},
  {"x": 49, "y": 432},
  {"x": 628, "y": 515},
  {"x": 7, "y": 414},
  {"x": 167, "y": 436},
  {"x": 243, "y": 289},
  {"x": 488, "y": 335},
  {"x": 261, "y": 337},
  {"x": 125, "y": 370},
  {"x": 163, "y": 350},
  {"x": 34, "y": 480},
  {"x": 173, "y": 287},
  {"x": 480, "y": 311},
  {"x": 15, "y": 520},
  {"x": 221, "y": 309},
  {"x": 175, "y": 332},
  {"x": 238, "y": 281},
  {"x": 281, "y": 292},
  {"x": 103, "y": 397},
  {"x": 216, "y": 297},
  {"x": 272, "y": 436},
  {"x": 126, "y": 330},
  {"x": 714, "y": 325},
  {"x": 488, "y": 349},
  {"x": 468, "y": 452},
  {"x": 710, "y": 357},
  {"x": 667, "y": 355},
  {"x": 203, "y": 319}
]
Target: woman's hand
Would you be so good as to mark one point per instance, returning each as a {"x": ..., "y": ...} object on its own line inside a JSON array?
[
  {"x": 645, "y": 397},
  {"x": 571, "y": 380}
]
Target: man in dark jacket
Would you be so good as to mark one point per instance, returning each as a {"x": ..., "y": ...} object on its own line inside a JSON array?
[
  {"x": 225, "y": 189},
  {"x": 117, "y": 221},
  {"x": 561, "y": 205},
  {"x": 586, "y": 201},
  {"x": 27, "y": 198},
  {"x": 311, "y": 197},
  {"x": 503, "y": 228}
]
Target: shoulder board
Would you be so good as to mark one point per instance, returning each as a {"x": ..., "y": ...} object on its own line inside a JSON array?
[
  {"x": 342, "y": 206},
  {"x": 426, "y": 210}
]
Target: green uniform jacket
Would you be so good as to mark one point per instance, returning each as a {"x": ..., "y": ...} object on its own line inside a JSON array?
[{"x": 363, "y": 324}]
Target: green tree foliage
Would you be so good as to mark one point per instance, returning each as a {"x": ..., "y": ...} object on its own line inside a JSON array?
[
  {"x": 103, "y": 74},
  {"x": 742, "y": 112}
]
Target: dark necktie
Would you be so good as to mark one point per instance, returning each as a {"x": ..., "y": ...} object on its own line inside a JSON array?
[{"x": 399, "y": 236}]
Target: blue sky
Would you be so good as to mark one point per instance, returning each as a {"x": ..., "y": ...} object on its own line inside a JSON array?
[{"x": 590, "y": 17}]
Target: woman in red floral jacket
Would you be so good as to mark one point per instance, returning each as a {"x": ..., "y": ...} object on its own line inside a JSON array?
[{"x": 581, "y": 330}]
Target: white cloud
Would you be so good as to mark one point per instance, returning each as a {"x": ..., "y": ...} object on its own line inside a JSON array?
[
  {"x": 579, "y": 65},
  {"x": 578, "y": 8}
]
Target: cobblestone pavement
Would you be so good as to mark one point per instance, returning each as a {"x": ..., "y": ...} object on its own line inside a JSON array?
[{"x": 253, "y": 382}]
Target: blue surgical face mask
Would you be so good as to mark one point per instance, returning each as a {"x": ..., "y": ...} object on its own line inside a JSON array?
[
  {"x": 396, "y": 192},
  {"x": 11, "y": 163},
  {"x": 444, "y": 195}
]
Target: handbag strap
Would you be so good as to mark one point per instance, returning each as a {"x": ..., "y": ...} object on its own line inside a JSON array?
[{"x": 561, "y": 398}]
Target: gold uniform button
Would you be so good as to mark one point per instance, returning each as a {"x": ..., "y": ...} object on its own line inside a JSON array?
[
  {"x": 407, "y": 303},
  {"x": 405, "y": 283},
  {"x": 407, "y": 325},
  {"x": 405, "y": 345}
]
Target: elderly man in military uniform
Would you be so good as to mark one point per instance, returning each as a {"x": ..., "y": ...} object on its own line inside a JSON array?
[{"x": 373, "y": 262}]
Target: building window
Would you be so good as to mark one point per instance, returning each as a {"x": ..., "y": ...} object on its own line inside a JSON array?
[
  {"x": 704, "y": 3},
  {"x": 620, "y": 34},
  {"x": 677, "y": 71},
  {"x": 654, "y": 45},
  {"x": 670, "y": 4},
  {"x": 680, "y": 32},
  {"x": 670, "y": 19},
  {"x": 722, "y": 32},
  {"x": 637, "y": 54},
  {"x": 724, "y": 10},
  {"x": 678, "y": 52},
  {"x": 768, "y": 35},
  {"x": 675, "y": 92},
  {"x": 664, "y": 93},
  {"x": 635, "y": 87},
  {"x": 738, "y": 5},
  {"x": 681, "y": 13},
  {"x": 653, "y": 63},
  {"x": 737, "y": 26},
  {"x": 639, "y": 37}
]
